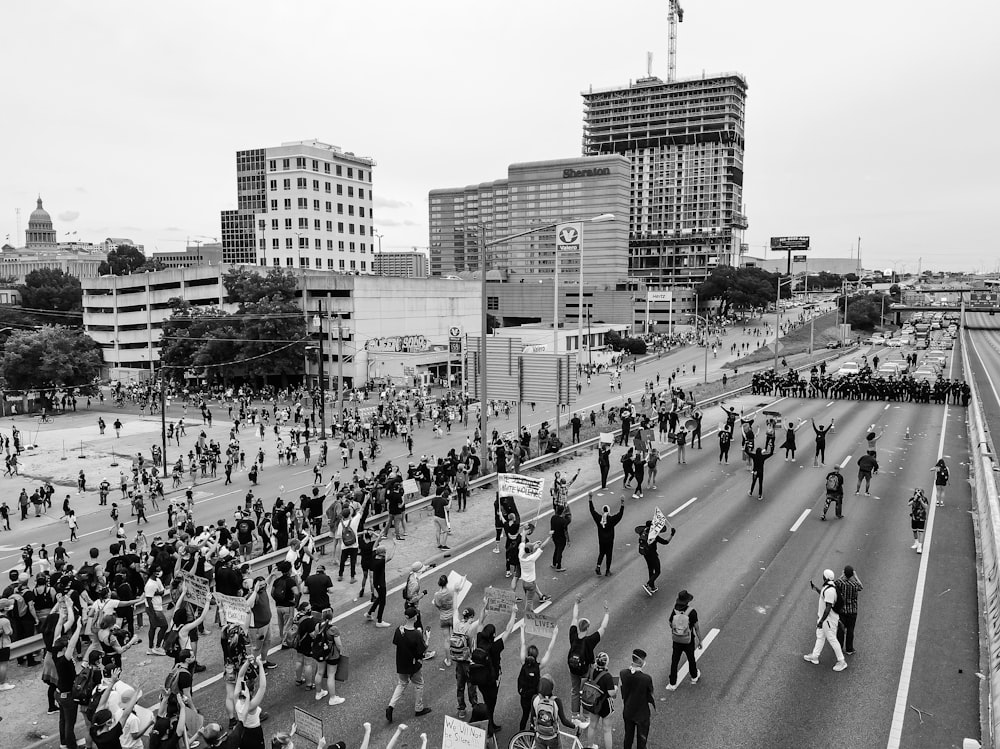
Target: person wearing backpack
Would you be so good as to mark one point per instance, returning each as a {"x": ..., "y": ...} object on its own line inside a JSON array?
[
  {"x": 834, "y": 492},
  {"x": 941, "y": 476},
  {"x": 918, "y": 518},
  {"x": 285, "y": 593},
  {"x": 546, "y": 714},
  {"x": 686, "y": 638},
  {"x": 828, "y": 614},
  {"x": 349, "y": 538},
  {"x": 327, "y": 649},
  {"x": 460, "y": 641},
  {"x": 582, "y": 643},
  {"x": 531, "y": 673},
  {"x": 596, "y": 699}
]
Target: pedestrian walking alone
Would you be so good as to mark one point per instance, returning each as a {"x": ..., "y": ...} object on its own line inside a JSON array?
[
  {"x": 637, "y": 698},
  {"x": 604, "y": 462},
  {"x": 867, "y": 467},
  {"x": 918, "y": 518},
  {"x": 686, "y": 638},
  {"x": 848, "y": 586},
  {"x": 827, "y": 621},
  {"x": 410, "y": 649},
  {"x": 834, "y": 492},
  {"x": 605, "y": 523},
  {"x": 789, "y": 444},
  {"x": 648, "y": 551},
  {"x": 940, "y": 480},
  {"x": 757, "y": 461}
]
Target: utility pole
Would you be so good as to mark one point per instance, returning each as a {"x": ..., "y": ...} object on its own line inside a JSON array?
[
  {"x": 340, "y": 371},
  {"x": 163, "y": 417},
  {"x": 322, "y": 375}
]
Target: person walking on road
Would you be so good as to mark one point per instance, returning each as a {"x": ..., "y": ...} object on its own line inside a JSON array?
[
  {"x": 757, "y": 461},
  {"x": 848, "y": 586},
  {"x": 582, "y": 644},
  {"x": 638, "y": 473},
  {"x": 686, "y": 638},
  {"x": 867, "y": 467},
  {"x": 606, "y": 523},
  {"x": 725, "y": 441},
  {"x": 604, "y": 462},
  {"x": 820, "y": 457},
  {"x": 789, "y": 444},
  {"x": 410, "y": 649},
  {"x": 827, "y": 621},
  {"x": 627, "y": 466},
  {"x": 918, "y": 518},
  {"x": 834, "y": 492},
  {"x": 940, "y": 480},
  {"x": 637, "y": 700},
  {"x": 651, "y": 461},
  {"x": 648, "y": 551},
  {"x": 528, "y": 554},
  {"x": 529, "y": 676},
  {"x": 559, "y": 524}
]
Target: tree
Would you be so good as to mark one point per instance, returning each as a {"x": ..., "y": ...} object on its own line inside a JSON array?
[
  {"x": 864, "y": 312},
  {"x": 122, "y": 260},
  {"x": 741, "y": 289},
  {"x": 151, "y": 265},
  {"x": 265, "y": 337},
  {"x": 51, "y": 289},
  {"x": 824, "y": 280},
  {"x": 52, "y": 357},
  {"x": 632, "y": 345}
]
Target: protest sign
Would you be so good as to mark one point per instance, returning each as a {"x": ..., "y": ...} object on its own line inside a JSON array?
[
  {"x": 235, "y": 610},
  {"x": 538, "y": 624},
  {"x": 516, "y": 485},
  {"x": 607, "y": 438},
  {"x": 410, "y": 486},
  {"x": 197, "y": 590},
  {"x": 659, "y": 523},
  {"x": 461, "y": 735},
  {"x": 461, "y": 585},
  {"x": 499, "y": 605},
  {"x": 308, "y": 726}
]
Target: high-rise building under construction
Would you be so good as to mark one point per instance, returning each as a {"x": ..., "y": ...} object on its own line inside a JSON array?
[{"x": 685, "y": 141}]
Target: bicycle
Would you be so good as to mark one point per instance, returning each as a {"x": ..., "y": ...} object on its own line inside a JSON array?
[
  {"x": 526, "y": 739},
  {"x": 45, "y": 419}
]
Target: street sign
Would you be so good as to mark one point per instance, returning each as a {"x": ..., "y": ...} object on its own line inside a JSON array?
[
  {"x": 798, "y": 258},
  {"x": 783, "y": 244},
  {"x": 659, "y": 296},
  {"x": 454, "y": 345},
  {"x": 454, "y": 331}
]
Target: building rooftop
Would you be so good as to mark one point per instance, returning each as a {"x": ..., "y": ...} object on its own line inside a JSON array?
[{"x": 653, "y": 81}]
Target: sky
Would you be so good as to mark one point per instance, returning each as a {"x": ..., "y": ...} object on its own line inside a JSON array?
[{"x": 126, "y": 116}]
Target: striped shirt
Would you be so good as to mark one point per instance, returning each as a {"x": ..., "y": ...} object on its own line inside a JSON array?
[{"x": 847, "y": 589}]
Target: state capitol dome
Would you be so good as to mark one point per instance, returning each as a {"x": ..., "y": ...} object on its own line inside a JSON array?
[{"x": 40, "y": 234}]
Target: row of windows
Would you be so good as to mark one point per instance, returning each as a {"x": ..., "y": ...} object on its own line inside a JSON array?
[
  {"x": 317, "y": 244},
  {"x": 301, "y": 163},
  {"x": 303, "y": 223},
  {"x": 331, "y": 264},
  {"x": 303, "y": 184},
  {"x": 303, "y": 205}
]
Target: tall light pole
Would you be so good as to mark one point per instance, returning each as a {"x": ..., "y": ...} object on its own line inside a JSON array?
[
  {"x": 483, "y": 247},
  {"x": 378, "y": 235}
]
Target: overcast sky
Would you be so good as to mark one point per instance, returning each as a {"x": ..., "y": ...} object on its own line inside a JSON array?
[{"x": 870, "y": 119}]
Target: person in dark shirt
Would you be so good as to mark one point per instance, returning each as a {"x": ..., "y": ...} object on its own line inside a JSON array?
[
  {"x": 105, "y": 731},
  {"x": 244, "y": 537},
  {"x": 651, "y": 555},
  {"x": 757, "y": 460},
  {"x": 379, "y": 559},
  {"x": 559, "y": 524},
  {"x": 410, "y": 648},
  {"x": 606, "y": 523},
  {"x": 63, "y": 654},
  {"x": 637, "y": 698},
  {"x": 318, "y": 584}
]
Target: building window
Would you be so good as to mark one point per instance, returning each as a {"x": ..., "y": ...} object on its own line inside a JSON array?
[
  {"x": 493, "y": 302},
  {"x": 364, "y": 265},
  {"x": 340, "y": 245},
  {"x": 361, "y": 174},
  {"x": 329, "y": 226},
  {"x": 288, "y": 223},
  {"x": 316, "y": 185},
  {"x": 274, "y": 224},
  {"x": 340, "y": 227},
  {"x": 340, "y": 189},
  {"x": 277, "y": 262},
  {"x": 329, "y": 245},
  {"x": 350, "y": 210},
  {"x": 262, "y": 224},
  {"x": 274, "y": 185},
  {"x": 329, "y": 206},
  {"x": 361, "y": 192},
  {"x": 327, "y": 187},
  {"x": 287, "y": 184},
  {"x": 303, "y": 223},
  {"x": 303, "y": 243},
  {"x": 353, "y": 265},
  {"x": 339, "y": 172},
  {"x": 285, "y": 165},
  {"x": 288, "y": 243},
  {"x": 272, "y": 165},
  {"x": 352, "y": 246},
  {"x": 326, "y": 167},
  {"x": 289, "y": 262},
  {"x": 350, "y": 173},
  {"x": 318, "y": 244},
  {"x": 361, "y": 211},
  {"x": 301, "y": 183},
  {"x": 303, "y": 204},
  {"x": 315, "y": 205},
  {"x": 288, "y": 204},
  {"x": 303, "y": 262},
  {"x": 340, "y": 208},
  {"x": 363, "y": 248},
  {"x": 315, "y": 165},
  {"x": 361, "y": 229},
  {"x": 350, "y": 191},
  {"x": 274, "y": 205},
  {"x": 350, "y": 228},
  {"x": 316, "y": 224},
  {"x": 329, "y": 263},
  {"x": 275, "y": 243}
]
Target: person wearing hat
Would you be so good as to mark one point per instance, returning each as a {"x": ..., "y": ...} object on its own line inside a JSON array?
[
  {"x": 828, "y": 620},
  {"x": 686, "y": 637},
  {"x": 834, "y": 492},
  {"x": 637, "y": 697},
  {"x": 848, "y": 586},
  {"x": 412, "y": 595},
  {"x": 105, "y": 731},
  {"x": 410, "y": 646}
]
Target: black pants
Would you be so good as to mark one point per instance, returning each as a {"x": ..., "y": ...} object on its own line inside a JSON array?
[
  {"x": 604, "y": 475},
  {"x": 526, "y": 700},
  {"x": 558, "y": 545},
  {"x": 463, "y": 683},
  {"x": 67, "y": 720},
  {"x": 820, "y": 452},
  {"x": 653, "y": 566},
  {"x": 845, "y": 632},
  {"x": 831, "y": 499},
  {"x": 640, "y": 731},
  {"x": 724, "y": 453},
  {"x": 696, "y": 435},
  {"x": 378, "y": 591},
  {"x": 683, "y": 648},
  {"x": 345, "y": 554},
  {"x": 757, "y": 479},
  {"x": 604, "y": 552}
]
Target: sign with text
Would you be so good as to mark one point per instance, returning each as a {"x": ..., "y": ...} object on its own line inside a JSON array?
[
  {"x": 235, "y": 610},
  {"x": 607, "y": 438},
  {"x": 308, "y": 726},
  {"x": 410, "y": 486},
  {"x": 659, "y": 296},
  {"x": 499, "y": 606},
  {"x": 568, "y": 236},
  {"x": 799, "y": 258},
  {"x": 461, "y": 586},
  {"x": 461, "y": 735},
  {"x": 196, "y": 590},
  {"x": 516, "y": 485},
  {"x": 539, "y": 624},
  {"x": 784, "y": 244},
  {"x": 454, "y": 345},
  {"x": 659, "y": 523}
]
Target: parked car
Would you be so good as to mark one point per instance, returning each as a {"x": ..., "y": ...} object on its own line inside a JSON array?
[
  {"x": 878, "y": 340},
  {"x": 895, "y": 342}
]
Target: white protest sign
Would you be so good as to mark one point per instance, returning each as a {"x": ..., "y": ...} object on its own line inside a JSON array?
[
  {"x": 461, "y": 735},
  {"x": 410, "y": 486},
  {"x": 516, "y": 485},
  {"x": 659, "y": 523},
  {"x": 235, "y": 610},
  {"x": 538, "y": 624},
  {"x": 461, "y": 585},
  {"x": 308, "y": 726},
  {"x": 196, "y": 590},
  {"x": 607, "y": 438}
]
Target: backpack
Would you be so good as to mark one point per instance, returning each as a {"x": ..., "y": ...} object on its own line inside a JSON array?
[
  {"x": 680, "y": 626},
  {"x": 838, "y": 604},
  {"x": 172, "y": 683},
  {"x": 282, "y": 594},
  {"x": 577, "y": 658},
  {"x": 918, "y": 511},
  {"x": 291, "y": 637},
  {"x": 348, "y": 536},
  {"x": 592, "y": 697},
  {"x": 459, "y": 646},
  {"x": 833, "y": 482},
  {"x": 643, "y": 542},
  {"x": 528, "y": 678},
  {"x": 323, "y": 645},
  {"x": 84, "y": 684},
  {"x": 545, "y": 718},
  {"x": 87, "y": 574},
  {"x": 172, "y": 642}
]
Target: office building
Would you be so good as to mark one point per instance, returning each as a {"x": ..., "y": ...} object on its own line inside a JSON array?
[
  {"x": 411, "y": 264},
  {"x": 684, "y": 141},
  {"x": 303, "y": 204},
  {"x": 534, "y": 194},
  {"x": 389, "y": 329},
  {"x": 207, "y": 253}
]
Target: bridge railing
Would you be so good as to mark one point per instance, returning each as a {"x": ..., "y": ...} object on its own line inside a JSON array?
[{"x": 986, "y": 496}]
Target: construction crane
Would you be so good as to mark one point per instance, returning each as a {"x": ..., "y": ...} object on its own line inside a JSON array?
[{"x": 674, "y": 16}]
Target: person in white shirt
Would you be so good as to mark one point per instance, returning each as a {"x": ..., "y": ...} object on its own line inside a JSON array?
[
  {"x": 828, "y": 619},
  {"x": 133, "y": 728},
  {"x": 528, "y": 554}
]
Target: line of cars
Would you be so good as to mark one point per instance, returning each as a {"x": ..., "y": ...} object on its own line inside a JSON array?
[{"x": 931, "y": 365}]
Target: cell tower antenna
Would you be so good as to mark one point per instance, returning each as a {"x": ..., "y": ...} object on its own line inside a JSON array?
[
  {"x": 675, "y": 15},
  {"x": 649, "y": 64}
]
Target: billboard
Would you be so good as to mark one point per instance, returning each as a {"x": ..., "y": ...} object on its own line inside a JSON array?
[
  {"x": 787, "y": 244},
  {"x": 659, "y": 296},
  {"x": 798, "y": 258}
]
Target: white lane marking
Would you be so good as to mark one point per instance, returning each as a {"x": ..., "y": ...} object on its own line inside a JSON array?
[
  {"x": 906, "y": 672},
  {"x": 803, "y": 516},
  {"x": 682, "y": 672},
  {"x": 829, "y": 404},
  {"x": 846, "y": 461},
  {"x": 693, "y": 499},
  {"x": 886, "y": 407}
]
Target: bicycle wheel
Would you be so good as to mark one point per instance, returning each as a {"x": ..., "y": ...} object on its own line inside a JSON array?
[{"x": 522, "y": 740}]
